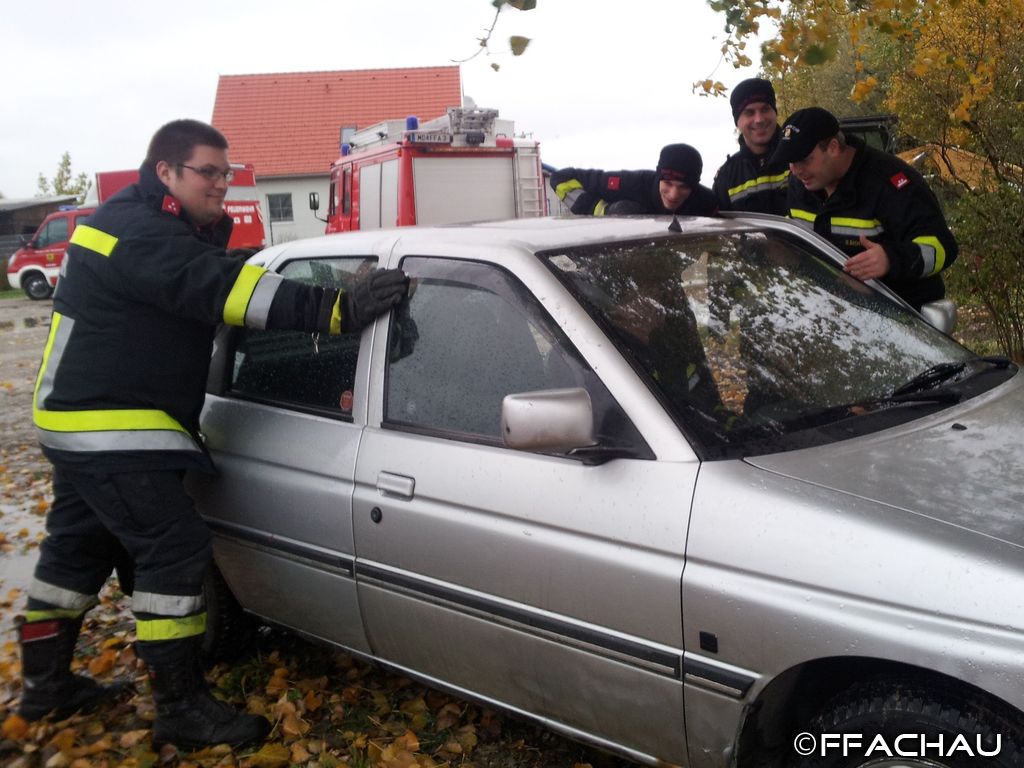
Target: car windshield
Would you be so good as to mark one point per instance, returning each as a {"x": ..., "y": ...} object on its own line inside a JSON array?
[{"x": 757, "y": 344}]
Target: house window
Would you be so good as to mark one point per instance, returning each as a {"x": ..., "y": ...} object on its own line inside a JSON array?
[{"x": 280, "y": 207}]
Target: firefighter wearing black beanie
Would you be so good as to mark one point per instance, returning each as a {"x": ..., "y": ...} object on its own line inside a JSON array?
[
  {"x": 673, "y": 187},
  {"x": 749, "y": 180}
]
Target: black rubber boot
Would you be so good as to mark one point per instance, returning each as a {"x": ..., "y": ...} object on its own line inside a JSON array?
[
  {"x": 47, "y": 648},
  {"x": 187, "y": 714}
]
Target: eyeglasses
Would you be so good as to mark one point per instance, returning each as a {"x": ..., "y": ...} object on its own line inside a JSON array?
[{"x": 211, "y": 173}]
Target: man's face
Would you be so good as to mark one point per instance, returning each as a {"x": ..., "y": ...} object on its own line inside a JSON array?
[
  {"x": 821, "y": 169},
  {"x": 673, "y": 193},
  {"x": 756, "y": 125},
  {"x": 202, "y": 198}
]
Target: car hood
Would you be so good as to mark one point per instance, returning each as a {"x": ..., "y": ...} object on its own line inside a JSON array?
[{"x": 963, "y": 466}]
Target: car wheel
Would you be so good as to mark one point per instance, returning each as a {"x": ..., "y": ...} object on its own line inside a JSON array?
[
  {"x": 871, "y": 712},
  {"x": 36, "y": 287},
  {"x": 230, "y": 631}
]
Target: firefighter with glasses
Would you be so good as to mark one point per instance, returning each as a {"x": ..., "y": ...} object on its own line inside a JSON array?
[{"x": 145, "y": 283}]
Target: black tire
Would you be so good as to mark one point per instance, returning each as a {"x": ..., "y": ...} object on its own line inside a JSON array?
[
  {"x": 888, "y": 709},
  {"x": 230, "y": 631},
  {"x": 36, "y": 286}
]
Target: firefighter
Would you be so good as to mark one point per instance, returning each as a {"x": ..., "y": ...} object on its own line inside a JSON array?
[
  {"x": 145, "y": 283},
  {"x": 674, "y": 187},
  {"x": 750, "y": 180},
  {"x": 870, "y": 204}
]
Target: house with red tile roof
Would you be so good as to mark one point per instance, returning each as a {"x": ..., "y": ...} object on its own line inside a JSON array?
[{"x": 289, "y": 126}]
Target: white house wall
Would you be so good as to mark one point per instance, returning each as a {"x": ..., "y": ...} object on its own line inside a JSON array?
[{"x": 304, "y": 223}]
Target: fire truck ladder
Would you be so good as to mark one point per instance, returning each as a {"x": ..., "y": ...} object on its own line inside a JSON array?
[{"x": 529, "y": 182}]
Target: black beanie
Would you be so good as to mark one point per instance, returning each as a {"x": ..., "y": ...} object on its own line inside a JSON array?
[
  {"x": 750, "y": 92},
  {"x": 680, "y": 162}
]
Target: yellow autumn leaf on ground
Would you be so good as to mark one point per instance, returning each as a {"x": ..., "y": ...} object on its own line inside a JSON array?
[
  {"x": 100, "y": 745},
  {"x": 63, "y": 740},
  {"x": 293, "y": 726},
  {"x": 409, "y": 741},
  {"x": 14, "y": 727},
  {"x": 42, "y": 505},
  {"x": 278, "y": 683},
  {"x": 466, "y": 736},
  {"x": 103, "y": 663},
  {"x": 312, "y": 701},
  {"x": 131, "y": 739},
  {"x": 299, "y": 753},
  {"x": 448, "y": 716},
  {"x": 270, "y": 756},
  {"x": 23, "y": 533}
]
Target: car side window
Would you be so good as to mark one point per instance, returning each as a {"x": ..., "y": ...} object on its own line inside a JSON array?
[
  {"x": 289, "y": 368},
  {"x": 56, "y": 232},
  {"x": 469, "y": 335}
]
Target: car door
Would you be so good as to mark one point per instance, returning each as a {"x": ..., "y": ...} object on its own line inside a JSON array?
[
  {"x": 535, "y": 580},
  {"x": 283, "y": 429}
]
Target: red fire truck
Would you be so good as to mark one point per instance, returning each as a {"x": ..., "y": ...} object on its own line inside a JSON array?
[
  {"x": 464, "y": 166},
  {"x": 35, "y": 267}
]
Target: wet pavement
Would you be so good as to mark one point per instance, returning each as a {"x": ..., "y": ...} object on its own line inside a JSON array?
[{"x": 24, "y": 473}]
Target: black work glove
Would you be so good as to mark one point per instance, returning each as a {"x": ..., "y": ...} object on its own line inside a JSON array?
[{"x": 374, "y": 295}]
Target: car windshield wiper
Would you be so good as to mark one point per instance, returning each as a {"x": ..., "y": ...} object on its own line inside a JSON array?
[{"x": 929, "y": 378}]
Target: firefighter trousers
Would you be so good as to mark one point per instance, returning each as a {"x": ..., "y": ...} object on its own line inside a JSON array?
[{"x": 99, "y": 519}]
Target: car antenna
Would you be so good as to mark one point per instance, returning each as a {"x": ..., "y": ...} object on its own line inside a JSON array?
[{"x": 674, "y": 226}]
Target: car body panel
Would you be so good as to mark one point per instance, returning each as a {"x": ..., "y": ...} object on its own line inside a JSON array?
[{"x": 643, "y": 604}]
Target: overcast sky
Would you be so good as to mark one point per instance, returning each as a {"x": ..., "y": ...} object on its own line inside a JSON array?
[{"x": 603, "y": 84}]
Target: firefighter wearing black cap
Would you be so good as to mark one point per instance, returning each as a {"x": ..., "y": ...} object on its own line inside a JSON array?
[
  {"x": 674, "y": 187},
  {"x": 870, "y": 204},
  {"x": 748, "y": 180},
  {"x": 145, "y": 282}
]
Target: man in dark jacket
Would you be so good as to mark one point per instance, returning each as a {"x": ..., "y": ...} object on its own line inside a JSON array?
[
  {"x": 870, "y": 204},
  {"x": 749, "y": 180},
  {"x": 674, "y": 187},
  {"x": 144, "y": 284}
]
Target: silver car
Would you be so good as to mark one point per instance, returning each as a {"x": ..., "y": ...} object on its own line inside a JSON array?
[{"x": 682, "y": 490}]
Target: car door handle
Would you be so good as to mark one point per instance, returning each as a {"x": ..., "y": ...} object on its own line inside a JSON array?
[{"x": 398, "y": 486}]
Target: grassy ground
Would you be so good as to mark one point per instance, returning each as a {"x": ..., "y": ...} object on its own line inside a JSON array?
[{"x": 10, "y": 293}]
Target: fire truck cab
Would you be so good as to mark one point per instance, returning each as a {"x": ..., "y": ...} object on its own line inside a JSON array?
[{"x": 464, "y": 166}]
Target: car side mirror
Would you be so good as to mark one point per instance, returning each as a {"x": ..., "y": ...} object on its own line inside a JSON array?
[
  {"x": 548, "y": 420},
  {"x": 314, "y": 201},
  {"x": 941, "y": 314}
]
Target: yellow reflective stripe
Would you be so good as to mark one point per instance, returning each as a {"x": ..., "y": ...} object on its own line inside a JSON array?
[
  {"x": 54, "y": 325},
  {"x": 796, "y": 213},
  {"x": 840, "y": 221},
  {"x": 241, "y": 292},
  {"x": 170, "y": 629},
  {"x": 759, "y": 180},
  {"x": 93, "y": 239},
  {"x": 600, "y": 208},
  {"x": 566, "y": 187},
  {"x": 32, "y": 617},
  {"x": 336, "y": 315},
  {"x": 104, "y": 421},
  {"x": 940, "y": 252}
]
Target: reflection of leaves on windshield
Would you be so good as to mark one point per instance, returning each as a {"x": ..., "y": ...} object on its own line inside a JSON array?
[{"x": 747, "y": 328}]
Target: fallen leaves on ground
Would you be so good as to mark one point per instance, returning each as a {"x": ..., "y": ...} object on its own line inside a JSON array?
[{"x": 328, "y": 710}]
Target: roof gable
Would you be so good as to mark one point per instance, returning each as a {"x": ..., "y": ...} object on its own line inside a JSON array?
[{"x": 290, "y": 123}]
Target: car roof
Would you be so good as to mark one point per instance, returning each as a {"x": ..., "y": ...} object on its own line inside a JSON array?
[{"x": 533, "y": 234}]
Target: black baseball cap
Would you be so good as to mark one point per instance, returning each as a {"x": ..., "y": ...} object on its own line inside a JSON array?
[{"x": 802, "y": 132}]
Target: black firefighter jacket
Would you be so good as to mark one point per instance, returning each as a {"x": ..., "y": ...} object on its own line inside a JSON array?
[
  {"x": 141, "y": 293},
  {"x": 749, "y": 182},
  {"x": 890, "y": 203},
  {"x": 590, "y": 192}
]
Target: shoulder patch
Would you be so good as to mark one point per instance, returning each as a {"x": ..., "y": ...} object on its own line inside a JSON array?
[
  {"x": 900, "y": 180},
  {"x": 171, "y": 205},
  {"x": 614, "y": 182}
]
